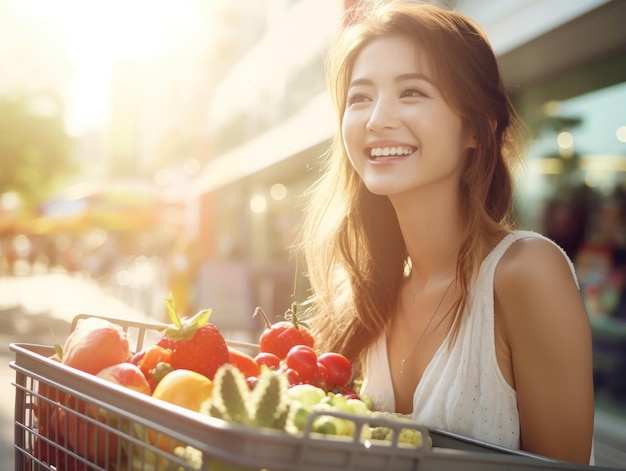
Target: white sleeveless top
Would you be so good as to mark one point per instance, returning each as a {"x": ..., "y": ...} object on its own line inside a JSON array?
[{"x": 462, "y": 389}]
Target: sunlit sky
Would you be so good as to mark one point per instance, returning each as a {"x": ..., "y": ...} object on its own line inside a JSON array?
[{"x": 97, "y": 32}]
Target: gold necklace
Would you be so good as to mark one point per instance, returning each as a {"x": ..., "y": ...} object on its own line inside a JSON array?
[{"x": 403, "y": 361}]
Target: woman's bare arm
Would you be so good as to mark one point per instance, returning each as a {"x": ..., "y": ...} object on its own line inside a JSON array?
[{"x": 547, "y": 330}]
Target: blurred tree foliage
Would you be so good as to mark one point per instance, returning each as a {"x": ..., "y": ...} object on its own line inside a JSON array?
[{"x": 35, "y": 149}]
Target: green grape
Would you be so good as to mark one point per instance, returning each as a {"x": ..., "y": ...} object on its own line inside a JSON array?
[
  {"x": 342, "y": 426},
  {"x": 339, "y": 402},
  {"x": 368, "y": 402},
  {"x": 380, "y": 433},
  {"x": 410, "y": 437},
  {"x": 298, "y": 416},
  {"x": 306, "y": 394},
  {"x": 356, "y": 406},
  {"x": 326, "y": 425}
]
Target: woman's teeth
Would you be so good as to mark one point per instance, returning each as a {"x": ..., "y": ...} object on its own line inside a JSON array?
[{"x": 390, "y": 151}]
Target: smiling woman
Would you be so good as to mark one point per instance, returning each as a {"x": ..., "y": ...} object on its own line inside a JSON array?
[{"x": 419, "y": 275}]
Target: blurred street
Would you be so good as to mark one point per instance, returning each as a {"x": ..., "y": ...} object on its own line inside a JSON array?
[{"x": 33, "y": 305}]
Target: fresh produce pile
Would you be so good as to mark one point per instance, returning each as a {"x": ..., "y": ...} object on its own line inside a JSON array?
[{"x": 288, "y": 386}]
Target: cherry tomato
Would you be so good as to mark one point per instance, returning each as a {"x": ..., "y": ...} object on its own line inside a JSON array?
[
  {"x": 303, "y": 359},
  {"x": 268, "y": 359},
  {"x": 348, "y": 392},
  {"x": 293, "y": 377},
  {"x": 322, "y": 373},
  {"x": 339, "y": 368}
]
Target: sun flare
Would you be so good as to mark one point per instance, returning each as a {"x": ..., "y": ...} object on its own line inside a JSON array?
[{"x": 96, "y": 34}]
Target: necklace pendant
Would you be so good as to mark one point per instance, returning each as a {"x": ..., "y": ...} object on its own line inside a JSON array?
[{"x": 402, "y": 366}]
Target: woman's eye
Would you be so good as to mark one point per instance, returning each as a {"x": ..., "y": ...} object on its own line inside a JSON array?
[
  {"x": 412, "y": 93},
  {"x": 356, "y": 98}
]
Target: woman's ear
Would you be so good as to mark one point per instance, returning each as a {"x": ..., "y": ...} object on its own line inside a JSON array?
[
  {"x": 472, "y": 140},
  {"x": 472, "y": 143}
]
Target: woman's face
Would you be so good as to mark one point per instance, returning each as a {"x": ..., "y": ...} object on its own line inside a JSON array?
[{"x": 398, "y": 131}]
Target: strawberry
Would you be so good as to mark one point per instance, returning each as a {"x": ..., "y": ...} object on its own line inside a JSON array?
[
  {"x": 195, "y": 343},
  {"x": 280, "y": 337}
]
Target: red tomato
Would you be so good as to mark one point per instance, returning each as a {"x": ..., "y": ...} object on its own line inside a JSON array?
[
  {"x": 348, "y": 392},
  {"x": 293, "y": 377},
  {"x": 244, "y": 362},
  {"x": 303, "y": 359},
  {"x": 339, "y": 368},
  {"x": 322, "y": 373},
  {"x": 278, "y": 338},
  {"x": 268, "y": 359}
]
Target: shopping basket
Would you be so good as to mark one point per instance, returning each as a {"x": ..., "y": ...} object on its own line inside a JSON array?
[{"x": 98, "y": 425}]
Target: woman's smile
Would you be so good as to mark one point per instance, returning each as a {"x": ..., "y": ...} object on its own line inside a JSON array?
[{"x": 388, "y": 153}]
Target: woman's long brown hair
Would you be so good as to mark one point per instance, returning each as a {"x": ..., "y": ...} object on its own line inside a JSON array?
[{"x": 355, "y": 254}]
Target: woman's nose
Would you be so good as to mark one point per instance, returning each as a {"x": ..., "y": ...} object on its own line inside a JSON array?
[{"x": 383, "y": 116}]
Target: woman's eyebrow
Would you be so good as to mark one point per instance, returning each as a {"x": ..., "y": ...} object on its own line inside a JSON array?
[
  {"x": 360, "y": 81},
  {"x": 413, "y": 76},
  {"x": 399, "y": 78}
]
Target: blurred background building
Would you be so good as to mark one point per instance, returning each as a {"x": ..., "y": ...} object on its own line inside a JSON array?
[{"x": 213, "y": 121}]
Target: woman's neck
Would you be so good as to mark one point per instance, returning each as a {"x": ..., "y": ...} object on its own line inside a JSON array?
[{"x": 433, "y": 230}]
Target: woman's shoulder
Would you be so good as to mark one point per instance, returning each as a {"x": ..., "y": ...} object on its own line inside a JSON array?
[
  {"x": 534, "y": 280},
  {"x": 532, "y": 256}
]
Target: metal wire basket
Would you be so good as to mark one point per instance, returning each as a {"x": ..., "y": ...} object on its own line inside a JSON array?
[{"x": 98, "y": 425}]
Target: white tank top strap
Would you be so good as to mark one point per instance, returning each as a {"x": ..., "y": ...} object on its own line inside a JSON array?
[{"x": 513, "y": 237}]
